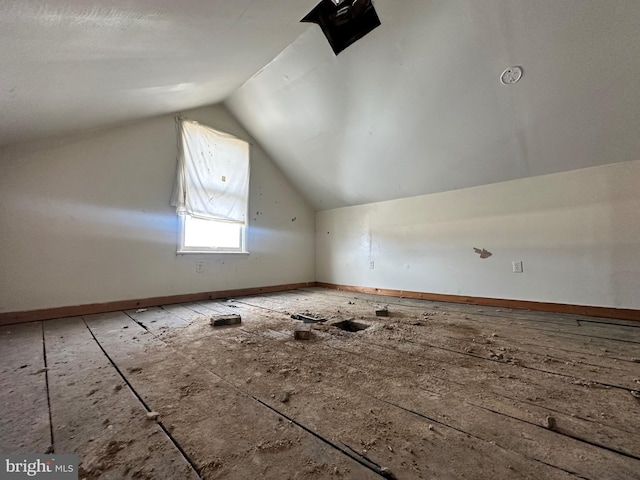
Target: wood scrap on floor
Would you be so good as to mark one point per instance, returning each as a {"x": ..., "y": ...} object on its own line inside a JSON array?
[
  {"x": 308, "y": 318},
  {"x": 302, "y": 331},
  {"x": 224, "y": 320}
]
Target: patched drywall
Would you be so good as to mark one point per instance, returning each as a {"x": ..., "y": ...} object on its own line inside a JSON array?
[
  {"x": 86, "y": 219},
  {"x": 576, "y": 233}
]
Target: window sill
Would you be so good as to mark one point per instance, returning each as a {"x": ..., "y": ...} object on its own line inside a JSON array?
[{"x": 211, "y": 252}]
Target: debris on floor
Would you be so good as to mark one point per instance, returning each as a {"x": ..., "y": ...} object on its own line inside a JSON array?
[
  {"x": 302, "y": 331},
  {"x": 141, "y": 310},
  {"x": 307, "y": 318},
  {"x": 382, "y": 312},
  {"x": 222, "y": 320},
  {"x": 496, "y": 356},
  {"x": 386, "y": 473},
  {"x": 285, "y": 397},
  {"x": 350, "y": 386},
  {"x": 549, "y": 422}
]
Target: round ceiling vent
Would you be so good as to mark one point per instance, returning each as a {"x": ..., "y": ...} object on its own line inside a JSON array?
[{"x": 511, "y": 75}]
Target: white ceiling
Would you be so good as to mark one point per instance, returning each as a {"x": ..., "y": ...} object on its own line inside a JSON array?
[
  {"x": 67, "y": 65},
  {"x": 414, "y": 107}
]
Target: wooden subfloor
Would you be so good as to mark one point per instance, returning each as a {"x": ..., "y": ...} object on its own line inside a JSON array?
[{"x": 434, "y": 391}]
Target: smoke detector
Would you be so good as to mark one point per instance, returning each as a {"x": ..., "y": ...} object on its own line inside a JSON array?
[{"x": 511, "y": 75}]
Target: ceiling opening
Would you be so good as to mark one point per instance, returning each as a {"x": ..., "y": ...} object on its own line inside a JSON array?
[{"x": 344, "y": 22}]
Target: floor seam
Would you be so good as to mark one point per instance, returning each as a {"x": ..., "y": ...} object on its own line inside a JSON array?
[
  {"x": 171, "y": 438},
  {"x": 46, "y": 380}
]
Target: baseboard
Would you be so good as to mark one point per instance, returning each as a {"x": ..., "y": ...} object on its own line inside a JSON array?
[
  {"x": 10, "y": 318},
  {"x": 606, "y": 312}
]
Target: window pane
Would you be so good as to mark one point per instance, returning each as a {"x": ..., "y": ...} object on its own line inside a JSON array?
[{"x": 211, "y": 234}]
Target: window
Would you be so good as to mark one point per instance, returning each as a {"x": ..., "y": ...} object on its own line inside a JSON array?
[{"x": 211, "y": 190}]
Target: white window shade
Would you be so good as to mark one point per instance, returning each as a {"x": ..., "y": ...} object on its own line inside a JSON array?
[{"x": 213, "y": 174}]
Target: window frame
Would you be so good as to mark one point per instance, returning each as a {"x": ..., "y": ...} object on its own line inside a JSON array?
[
  {"x": 182, "y": 212},
  {"x": 182, "y": 249}
]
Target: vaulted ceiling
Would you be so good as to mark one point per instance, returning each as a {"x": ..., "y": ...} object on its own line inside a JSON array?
[
  {"x": 67, "y": 65},
  {"x": 414, "y": 107}
]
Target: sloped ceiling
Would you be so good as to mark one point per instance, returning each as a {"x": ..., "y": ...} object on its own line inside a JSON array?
[
  {"x": 67, "y": 65},
  {"x": 414, "y": 107},
  {"x": 417, "y": 107}
]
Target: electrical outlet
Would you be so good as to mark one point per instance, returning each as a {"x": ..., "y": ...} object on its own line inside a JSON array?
[
  {"x": 517, "y": 266},
  {"x": 199, "y": 267},
  {"x": 371, "y": 265}
]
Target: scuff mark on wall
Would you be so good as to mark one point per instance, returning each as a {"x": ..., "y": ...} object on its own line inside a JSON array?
[{"x": 483, "y": 253}]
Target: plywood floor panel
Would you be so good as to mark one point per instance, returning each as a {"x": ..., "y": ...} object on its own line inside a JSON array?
[
  {"x": 95, "y": 414},
  {"x": 24, "y": 409},
  {"x": 435, "y": 390},
  {"x": 380, "y": 375},
  {"x": 350, "y": 416},
  {"x": 226, "y": 432}
]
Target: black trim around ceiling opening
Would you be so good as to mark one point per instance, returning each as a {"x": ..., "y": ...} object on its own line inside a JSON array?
[{"x": 344, "y": 23}]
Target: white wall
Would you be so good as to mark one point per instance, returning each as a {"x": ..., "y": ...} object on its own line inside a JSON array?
[
  {"x": 578, "y": 234},
  {"x": 416, "y": 107},
  {"x": 86, "y": 219}
]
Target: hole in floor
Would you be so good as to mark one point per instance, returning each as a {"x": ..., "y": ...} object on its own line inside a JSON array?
[{"x": 351, "y": 326}]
